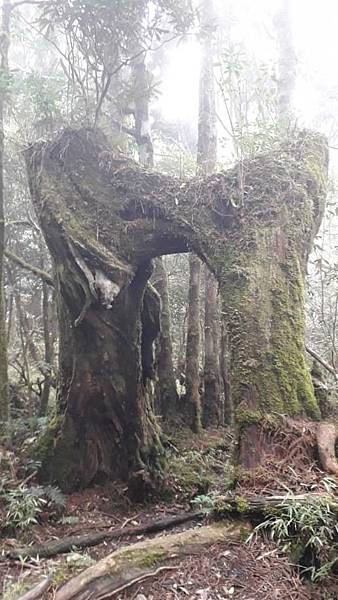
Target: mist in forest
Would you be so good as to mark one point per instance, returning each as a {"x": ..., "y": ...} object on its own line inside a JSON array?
[{"x": 168, "y": 299}]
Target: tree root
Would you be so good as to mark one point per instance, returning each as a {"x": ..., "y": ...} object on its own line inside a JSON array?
[
  {"x": 93, "y": 539},
  {"x": 126, "y": 565},
  {"x": 326, "y": 439}
]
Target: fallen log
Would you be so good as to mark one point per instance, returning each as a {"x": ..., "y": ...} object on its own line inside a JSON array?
[
  {"x": 87, "y": 540},
  {"x": 38, "y": 591},
  {"x": 258, "y": 506},
  {"x": 126, "y": 565},
  {"x": 225, "y": 506}
]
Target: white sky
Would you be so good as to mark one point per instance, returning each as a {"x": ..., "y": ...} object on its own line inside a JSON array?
[{"x": 315, "y": 25}]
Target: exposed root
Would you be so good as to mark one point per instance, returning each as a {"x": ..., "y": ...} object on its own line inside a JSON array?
[
  {"x": 326, "y": 439},
  {"x": 93, "y": 539}
]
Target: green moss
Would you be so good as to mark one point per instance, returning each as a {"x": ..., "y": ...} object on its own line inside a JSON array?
[
  {"x": 44, "y": 447},
  {"x": 244, "y": 416},
  {"x": 263, "y": 301},
  {"x": 242, "y": 504},
  {"x": 190, "y": 474},
  {"x": 56, "y": 451},
  {"x": 152, "y": 557}
]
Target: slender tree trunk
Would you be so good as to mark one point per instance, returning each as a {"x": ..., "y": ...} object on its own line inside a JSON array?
[
  {"x": 287, "y": 62},
  {"x": 227, "y": 408},
  {"x": 49, "y": 348},
  {"x": 193, "y": 347},
  {"x": 166, "y": 389},
  {"x": 206, "y": 162},
  {"x": 166, "y": 393},
  {"x": 141, "y": 113},
  {"x": 4, "y": 48},
  {"x": 212, "y": 397},
  {"x": 48, "y": 337}
]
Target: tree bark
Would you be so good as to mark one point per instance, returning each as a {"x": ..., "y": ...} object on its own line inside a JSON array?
[
  {"x": 105, "y": 427},
  {"x": 228, "y": 409},
  {"x": 206, "y": 163},
  {"x": 48, "y": 350},
  {"x": 166, "y": 389},
  {"x": 4, "y": 48},
  {"x": 166, "y": 393},
  {"x": 104, "y": 218},
  {"x": 212, "y": 392},
  {"x": 192, "y": 405}
]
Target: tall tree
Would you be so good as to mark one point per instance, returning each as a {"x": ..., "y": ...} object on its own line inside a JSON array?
[
  {"x": 166, "y": 389},
  {"x": 192, "y": 406},
  {"x": 287, "y": 61},
  {"x": 206, "y": 160},
  {"x": 140, "y": 109},
  {"x": 4, "y": 49}
]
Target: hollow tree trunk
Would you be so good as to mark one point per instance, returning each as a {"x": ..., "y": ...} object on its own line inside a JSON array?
[
  {"x": 104, "y": 218},
  {"x": 105, "y": 427},
  {"x": 166, "y": 393}
]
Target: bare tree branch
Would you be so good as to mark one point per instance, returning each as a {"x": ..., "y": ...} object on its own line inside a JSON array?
[
  {"x": 35, "y": 270},
  {"x": 322, "y": 361}
]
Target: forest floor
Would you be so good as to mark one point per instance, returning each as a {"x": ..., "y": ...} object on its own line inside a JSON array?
[{"x": 198, "y": 467}]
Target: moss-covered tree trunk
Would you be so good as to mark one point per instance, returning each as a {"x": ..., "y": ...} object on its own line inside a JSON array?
[
  {"x": 262, "y": 291},
  {"x": 105, "y": 428},
  {"x": 104, "y": 218},
  {"x": 109, "y": 317},
  {"x": 166, "y": 386}
]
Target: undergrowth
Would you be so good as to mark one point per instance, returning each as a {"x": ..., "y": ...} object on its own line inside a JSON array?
[
  {"x": 21, "y": 505},
  {"x": 307, "y": 529}
]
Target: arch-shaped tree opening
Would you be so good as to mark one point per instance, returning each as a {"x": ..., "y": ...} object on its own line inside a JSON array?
[{"x": 104, "y": 219}]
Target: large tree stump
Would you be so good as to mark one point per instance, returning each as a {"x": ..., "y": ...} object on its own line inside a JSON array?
[{"x": 104, "y": 218}]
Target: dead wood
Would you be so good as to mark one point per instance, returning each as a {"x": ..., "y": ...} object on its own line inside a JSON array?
[
  {"x": 93, "y": 539},
  {"x": 257, "y": 506},
  {"x": 138, "y": 560},
  {"x": 326, "y": 439},
  {"x": 37, "y": 591},
  {"x": 322, "y": 361}
]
